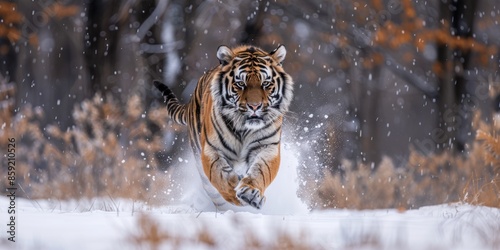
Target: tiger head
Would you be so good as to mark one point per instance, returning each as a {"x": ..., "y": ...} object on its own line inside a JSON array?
[{"x": 252, "y": 89}]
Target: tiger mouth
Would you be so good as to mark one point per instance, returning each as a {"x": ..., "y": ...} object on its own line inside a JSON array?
[{"x": 254, "y": 117}]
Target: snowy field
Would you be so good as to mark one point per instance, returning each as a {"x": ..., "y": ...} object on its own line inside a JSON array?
[
  {"x": 283, "y": 223},
  {"x": 109, "y": 224}
]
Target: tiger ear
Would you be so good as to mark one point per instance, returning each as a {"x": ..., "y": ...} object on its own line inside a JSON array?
[
  {"x": 279, "y": 54},
  {"x": 224, "y": 54}
]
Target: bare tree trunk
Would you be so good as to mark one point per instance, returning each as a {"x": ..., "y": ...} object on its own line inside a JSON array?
[
  {"x": 101, "y": 42},
  {"x": 462, "y": 24},
  {"x": 454, "y": 115},
  {"x": 370, "y": 145},
  {"x": 49, "y": 74},
  {"x": 8, "y": 61},
  {"x": 253, "y": 26}
]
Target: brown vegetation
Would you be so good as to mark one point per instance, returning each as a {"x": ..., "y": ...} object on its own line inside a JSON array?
[
  {"x": 425, "y": 180},
  {"x": 151, "y": 235},
  {"x": 110, "y": 151}
]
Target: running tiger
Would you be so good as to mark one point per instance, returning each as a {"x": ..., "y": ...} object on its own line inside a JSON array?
[{"x": 234, "y": 118}]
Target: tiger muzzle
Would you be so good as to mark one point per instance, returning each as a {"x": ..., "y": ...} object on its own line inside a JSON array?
[{"x": 254, "y": 106}]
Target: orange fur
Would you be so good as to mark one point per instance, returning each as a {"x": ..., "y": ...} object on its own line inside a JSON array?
[{"x": 237, "y": 135}]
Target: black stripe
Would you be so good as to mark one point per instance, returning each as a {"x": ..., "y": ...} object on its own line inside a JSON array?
[
  {"x": 197, "y": 111},
  {"x": 221, "y": 137},
  {"x": 230, "y": 125},
  {"x": 208, "y": 141},
  {"x": 175, "y": 110},
  {"x": 215, "y": 147},
  {"x": 252, "y": 149},
  {"x": 164, "y": 89},
  {"x": 267, "y": 136},
  {"x": 243, "y": 133},
  {"x": 281, "y": 86},
  {"x": 221, "y": 87}
]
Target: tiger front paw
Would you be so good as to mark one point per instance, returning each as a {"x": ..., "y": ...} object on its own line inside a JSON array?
[{"x": 249, "y": 195}]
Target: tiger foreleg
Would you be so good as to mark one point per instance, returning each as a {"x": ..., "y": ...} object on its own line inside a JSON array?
[
  {"x": 251, "y": 188},
  {"x": 222, "y": 177}
]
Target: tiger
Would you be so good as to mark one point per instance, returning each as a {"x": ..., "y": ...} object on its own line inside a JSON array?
[{"x": 234, "y": 120}]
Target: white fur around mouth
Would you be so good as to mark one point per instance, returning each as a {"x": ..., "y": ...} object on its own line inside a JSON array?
[
  {"x": 254, "y": 117},
  {"x": 254, "y": 122}
]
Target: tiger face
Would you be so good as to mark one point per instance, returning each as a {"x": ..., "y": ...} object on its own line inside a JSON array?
[{"x": 252, "y": 89}]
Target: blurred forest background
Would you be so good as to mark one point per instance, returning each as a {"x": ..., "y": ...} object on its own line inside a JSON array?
[{"x": 395, "y": 101}]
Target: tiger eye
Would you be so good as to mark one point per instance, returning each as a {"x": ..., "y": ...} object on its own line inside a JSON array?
[{"x": 240, "y": 84}]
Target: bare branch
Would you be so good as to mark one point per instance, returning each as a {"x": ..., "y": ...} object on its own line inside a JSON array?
[
  {"x": 410, "y": 77},
  {"x": 152, "y": 19}
]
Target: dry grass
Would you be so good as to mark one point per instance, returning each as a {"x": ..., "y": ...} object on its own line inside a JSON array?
[
  {"x": 359, "y": 188},
  {"x": 200, "y": 233},
  {"x": 425, "y": 180},
  {"x": 473, "y": 177},
  {"x": 483, "y": 186},
  {"x": 482, "y": 224},
  {"x": 151, "y": 235},
  {"x": 286, "y": 241},
  {"x": 109, "y": 152},
  {"x": 7, "y": 91}
]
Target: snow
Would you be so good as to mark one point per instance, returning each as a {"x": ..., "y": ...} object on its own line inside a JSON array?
[
  {"x": 281, "y": 195},
  {"x": 284, "y": 222},
  {"x": 91, "y": 225}
]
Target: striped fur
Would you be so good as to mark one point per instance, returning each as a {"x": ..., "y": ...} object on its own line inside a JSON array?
[{"x": 235, "y": 117}]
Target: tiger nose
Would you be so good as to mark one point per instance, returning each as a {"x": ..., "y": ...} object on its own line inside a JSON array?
[{"x": 254, "y": 106}]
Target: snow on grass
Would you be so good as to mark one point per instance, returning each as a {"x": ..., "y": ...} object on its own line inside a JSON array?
[
  {"x": 132, "y": 225},
  {"x": 283, "y": 223}
]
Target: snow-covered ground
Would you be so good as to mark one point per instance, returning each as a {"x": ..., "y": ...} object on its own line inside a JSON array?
[
  {"x": 110, "y": 224},
  {"x": 283, "y": 223}
]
